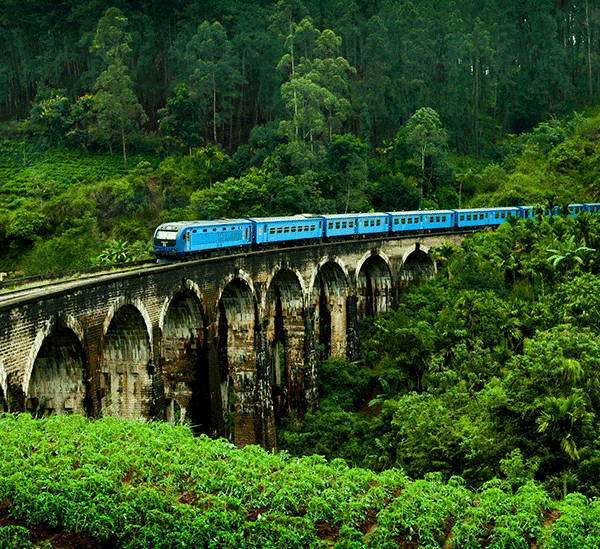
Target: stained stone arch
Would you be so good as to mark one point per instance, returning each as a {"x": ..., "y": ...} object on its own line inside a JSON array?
[
  {"x": 57, "y": 383},
  {"x": 3, "y": 388},
  {"x": 284, "y": 313},
  {"x": 329, "y": 296},
  {"x": 373, "y": 286},
  {"x": 126, "y": 366},
  {"x": 237, "y": 327},
  {"x": 185, "y": 364},
  {"x": 416, "y": 263}
]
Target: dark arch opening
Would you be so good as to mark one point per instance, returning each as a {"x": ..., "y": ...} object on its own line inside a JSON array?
[
  {"x": 58, "y": 382},
  {"x": 418, "y": 265},
  {"x": 126, "y": 387},
  {"x": 236, "y": 356},
  {"x": 330, "y": 301},
  {"x": 374, "y": 285},
  {"x": 185, "y": 366}
]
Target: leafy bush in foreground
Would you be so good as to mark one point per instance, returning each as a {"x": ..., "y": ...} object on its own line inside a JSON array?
[{"x": 131, "y": 484}]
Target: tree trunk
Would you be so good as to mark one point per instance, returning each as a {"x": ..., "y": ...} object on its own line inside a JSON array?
[
  {"x": 589, "y": 51},
  {"x": 123, "y": 139}
]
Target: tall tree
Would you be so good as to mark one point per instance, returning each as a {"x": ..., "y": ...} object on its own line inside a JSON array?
[
  {"x": 427, "y": 138},
  {"x": 116, "y": 104},
  {"x": 316, "y": 93},
  {"x": 216, "y": 74}
]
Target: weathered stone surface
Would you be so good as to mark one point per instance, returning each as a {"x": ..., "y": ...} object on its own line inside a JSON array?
[{"x": 229, "y": 344}]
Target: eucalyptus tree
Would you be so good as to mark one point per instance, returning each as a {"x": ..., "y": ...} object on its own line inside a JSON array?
[
  {"x": 427, "y": 139},
  {"x": 316, "y": 92},
  {"x": 215, "y": 75},
  {"x": 117, "y": 107}
]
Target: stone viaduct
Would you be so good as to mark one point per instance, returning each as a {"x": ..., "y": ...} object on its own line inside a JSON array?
[{"x": 230, "y": 343}]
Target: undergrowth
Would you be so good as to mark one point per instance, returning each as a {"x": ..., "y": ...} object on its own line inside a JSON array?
[{"x": 132, "y": 484}]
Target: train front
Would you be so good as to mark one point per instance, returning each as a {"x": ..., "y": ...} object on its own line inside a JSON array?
[{"x": 168, "y": 241}]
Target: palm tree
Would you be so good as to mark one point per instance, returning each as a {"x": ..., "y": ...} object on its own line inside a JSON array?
[
  {"x": 561, "y": 418},
  {"x": 568, "y": 254}
]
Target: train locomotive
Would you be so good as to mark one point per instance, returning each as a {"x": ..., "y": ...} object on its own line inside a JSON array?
[{"x": 200, "y": 239}]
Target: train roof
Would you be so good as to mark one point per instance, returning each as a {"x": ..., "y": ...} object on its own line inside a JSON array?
[
  {"x": 492, "y": 208},
  {"x": 352, "y": 215},
  {"x": 178, "y": 225},
  {"x": 298, "y": 217},
  {"x": 422, "y": 212}
]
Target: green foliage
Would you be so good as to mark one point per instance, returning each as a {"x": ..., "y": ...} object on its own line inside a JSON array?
[
  {"x": 344, "y": 384},
  {"x": 134, "y": 484}
]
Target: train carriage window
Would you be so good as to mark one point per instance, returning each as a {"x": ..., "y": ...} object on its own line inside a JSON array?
[
  {"x": 443, "y": 219},
  {"x": 503, "y": 215},
  {"x": 286, "y": 229},
  {"x": 312, "y": 227},
  {"x": 462, "y": 217},
  {"x": 481, "y": 216},
  {"x": 344, "y": 224},
  {"x": 496, "y": 215},
  {"x": 204, "y": 230},
  {"x": 337, "y": 224},
  {"x": 351, "y": 223},
  {"x": 396, "y": 220},
  {"x": 279, "y": 230},
  {"x": 437, "y": 218},
  {"x": 468, "y": 217},
  {"x": 431, "y": 219},
  {"x": 330, "y": 225},
  {"x": 214, "y": 229},
  {"x": 409, "y": 220},
  {"x": 293, "y": 229},
  {"x": 404, "y": 220},
  {"x": 378, "y": 222},
  {"x": 194, "y": 231},
  {"x": 272, "y": 230}
]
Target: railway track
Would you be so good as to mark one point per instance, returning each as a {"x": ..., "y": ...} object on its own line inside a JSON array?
[{"x": 18, "y": 290}]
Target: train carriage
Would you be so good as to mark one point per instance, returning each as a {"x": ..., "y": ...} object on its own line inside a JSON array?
[
  {"x": 477, "y": 217},
  {"x": 192, "y": 237},
  {"x": 372, "y": 223},
  {"x": 277, "y": 230},
  {"x": 592, "y": 208},
  {"x": 339, "y": 225},
  {"x": 574, "y": 209},
  {"x": 422, "y": 220}
]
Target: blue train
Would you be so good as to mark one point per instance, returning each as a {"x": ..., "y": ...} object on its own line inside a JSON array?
[{"x": 197, "y": 239}]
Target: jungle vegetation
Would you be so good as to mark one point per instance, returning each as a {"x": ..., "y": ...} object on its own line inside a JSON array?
[
  {"x": 117, "y": 116},
  {"x": 472, "y": 415}
]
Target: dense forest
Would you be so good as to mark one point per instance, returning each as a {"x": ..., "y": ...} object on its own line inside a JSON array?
[
  {"x": 487, "y": 68},
  {"x": 483, "y": 386},
  {"x": 116, "y": 118}
]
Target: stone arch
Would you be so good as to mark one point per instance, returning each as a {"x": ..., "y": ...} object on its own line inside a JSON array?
[
  {"x": 126, "y": 385},
  {"x": 285, "y": 319},
  {"x": 184, "y": 358},
  {"x": 55, "y": 376},
  {"x": 237, "y": 327},
  {"x": 373, "y": 284},
  {"x": 416, "y": 263},
  {"x": 329, "y": 297},
  {"x": 3, "y": 388}
]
